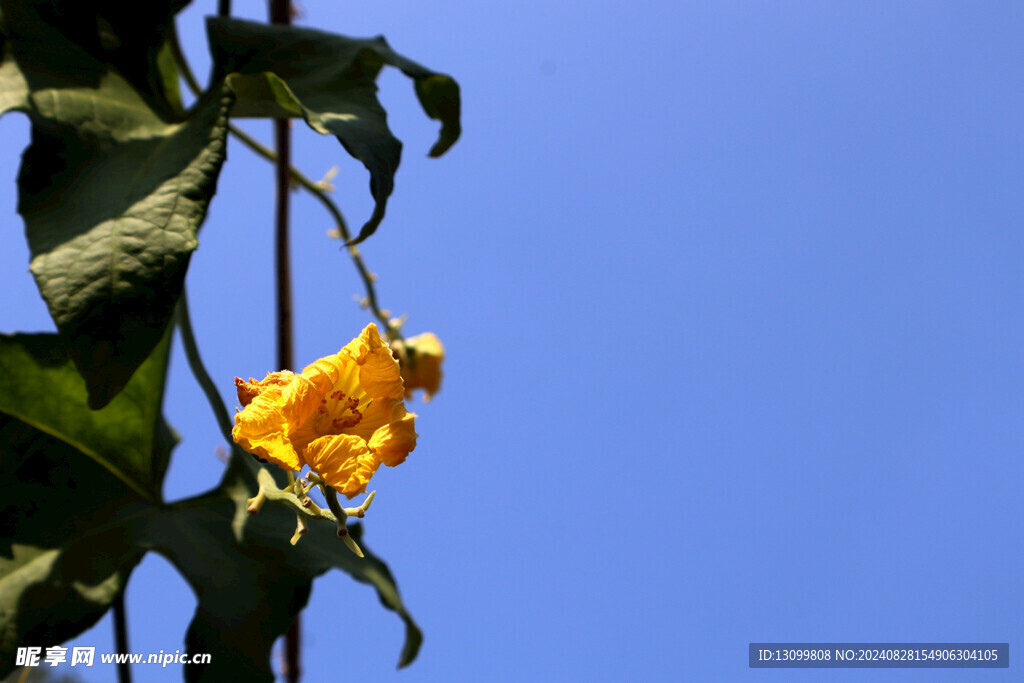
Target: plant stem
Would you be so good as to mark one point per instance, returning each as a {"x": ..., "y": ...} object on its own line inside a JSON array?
[
  {"x": 282, "y": 251},
  {"x": 188, "y": 340},
  {"x": 281, "y": 13},
  {"x": 195, "y": 363},
  {"x": 124, "y": 673}
]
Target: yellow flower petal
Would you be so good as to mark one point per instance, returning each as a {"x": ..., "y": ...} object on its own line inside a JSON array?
[
  {"x": 323, "y": 404},
  {"x": 379, "y": 373},
  {"x": 344, "y": 461},
  {"x": 303, "y": 398},
  {"x": 393, "y": 442},
  {"x": 262, "y": 427}
]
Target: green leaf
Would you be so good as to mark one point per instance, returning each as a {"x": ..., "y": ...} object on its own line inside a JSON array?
[
  {"x": 74, "y": 486},
  {"x": 126, "y": 37},
  {"x": 110, "y": 255},
  {"x": 134, "y": 41},
  {"x": 247, "y": 593},
  {"x": 378, "y": 575},
  {"x": 330, "y": 81},
  {"x": 249, "y": 581},
  {"x": 64, "y": 557},
  {"x": 167, "y": 72},
  {"x": 129, "y": 438}
]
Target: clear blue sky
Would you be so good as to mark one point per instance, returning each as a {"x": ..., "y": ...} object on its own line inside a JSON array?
[{"x": 731, "y": 293}]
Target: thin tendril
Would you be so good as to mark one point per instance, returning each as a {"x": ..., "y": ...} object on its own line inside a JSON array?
[
  {"x": 305, "y": 183},
  {"x": 188, "y": 339}
]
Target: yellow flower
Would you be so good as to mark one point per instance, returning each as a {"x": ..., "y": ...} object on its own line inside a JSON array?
[
  {"x": 343, "y": 415},
  {"x": 421, "y": 357}
]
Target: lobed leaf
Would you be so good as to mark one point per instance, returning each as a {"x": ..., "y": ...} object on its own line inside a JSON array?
[
  {"x": 70, "y": 478},
  {"x": 330, "y": 81},
  {"x": 68, "y": 474},
  {"x": 249, "y": 581}
]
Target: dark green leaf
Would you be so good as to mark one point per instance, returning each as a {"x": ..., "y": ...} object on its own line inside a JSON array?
[
  {"x": 129, "y": 438},
  {"x": 330, "y": 80},
  {"x": 64, "y": 556},
  {"x": 76, "y": 488},
  {"x": 248, "y": 593},
  {"x": 249, "y": 581},
  {"x": 123, "y": 35},
  {"x": 378, "y": 575},
  {"x": 134, "y": 38},
  {"x": 111, "y": 194},
  {"x": 321, "y": 550},
  {"x": 75, "y": 532}
]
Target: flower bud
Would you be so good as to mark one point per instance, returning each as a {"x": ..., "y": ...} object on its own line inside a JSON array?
[{"x": 420, "y": 358}]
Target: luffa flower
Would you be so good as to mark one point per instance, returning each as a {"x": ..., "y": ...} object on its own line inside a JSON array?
[
  {"x": 342, "y": 416},
  {"x": 421, "y": 357}
]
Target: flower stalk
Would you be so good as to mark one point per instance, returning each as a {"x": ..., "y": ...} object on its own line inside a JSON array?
[{"x": 305, "y": 508}]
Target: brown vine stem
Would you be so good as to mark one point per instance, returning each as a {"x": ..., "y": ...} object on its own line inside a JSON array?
[
  {"x": 282, "y": 257},
  {"x": 281, "y": 13}
]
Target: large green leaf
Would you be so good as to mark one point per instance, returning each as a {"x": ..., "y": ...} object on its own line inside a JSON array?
[
  {"x": 70, "y": 477},
  {"x": 80, "y": 532},
  {"x": 63, "y": 555},
  {"x": 112, "y": 195},
  {"x": 249, "y": 581},
  {"x": 329, "y": 80},
  {"x": 129, "y": 438}
]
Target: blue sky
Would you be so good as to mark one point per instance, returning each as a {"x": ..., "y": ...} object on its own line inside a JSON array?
[{"x": 731, "y": 296}]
